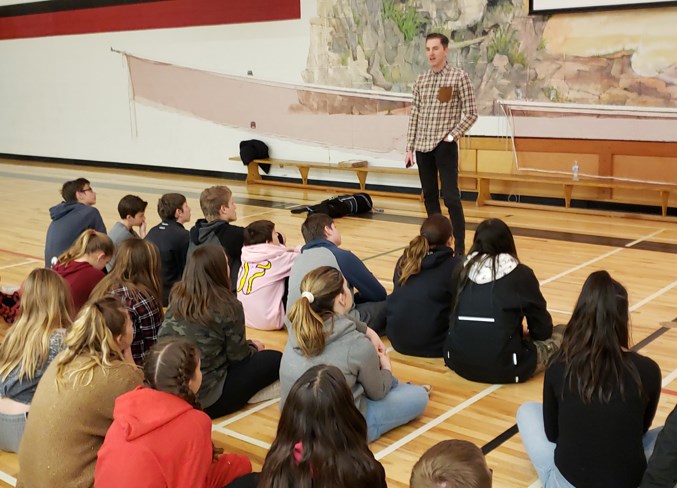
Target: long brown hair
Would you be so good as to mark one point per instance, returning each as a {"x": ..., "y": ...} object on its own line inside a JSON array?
[
  {"x": 307, "y": 319},
  {"x": 435, "y": 231},
  {"x": 204, "y": 289},
  {"x": 320, "y": 414},
  {"x": 89, "y": 241},
  {"x": 137, "y": 266},
  {"x": 91, "y": 338},
  {"x": 594, "y": 340},
  {"x": 46, "y": 305}
]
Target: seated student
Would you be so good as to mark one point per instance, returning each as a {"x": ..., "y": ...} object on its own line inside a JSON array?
[
  {"x": 322, "y": 249},
  {"x": 10, "y": 300},
  {"x": 418, "y": 309},
  {"x": 73, "y": 406},
  {"x": 135, "y": 279},
  {"x": 81, "y": 264},
  {"x": 171, "y": 239},
  {"x": 325, "y": 435},
  {"x": 451, "y": 464},
  {"x": 599, "y": 398},
  {"x": 219, "y": 209},
  {"x": 486, "y": 340},
  {"x": 30, "y": 345},
  {"x": 661, "y": 471},
  {"x": 71, "y": 217},
  {"x": 324, "y": 333},
  {"x": 132, "y": 212},
  {"x": 203, "y": 309},
  {"x": 263, "y": 278},
  {"x": 159, "y": 435}
]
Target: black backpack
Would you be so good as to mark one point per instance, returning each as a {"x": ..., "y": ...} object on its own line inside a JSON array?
[{"x": 340, "y": 206}]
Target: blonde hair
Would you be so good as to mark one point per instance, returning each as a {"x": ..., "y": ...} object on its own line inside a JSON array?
[
  {"x": 46, "y": 305},
  {"x": 325, "y": 284},
  {"x": 91, "y": 339},
  {"x": 137, "y": 266},
  {"x": 451, "y": 464},
  {"x": 212, "y": 199},
  {"x": 435, "y": 231},
  {"x": 88, "y": 242}
]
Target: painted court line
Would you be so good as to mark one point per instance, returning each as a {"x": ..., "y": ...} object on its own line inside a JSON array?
[
  {"x": 243, "y": 437},
  {"x": 435, "y": 422},
  {"x": 536, "y": 484},
  {"x": 598, "y": 258},
  {"x": 669, "y": 379},
  {"x": 10, "y": 480},
  {"x": 653, "y": 296},
  {"x": 16, "y": 265},
  {"x": 249, "y": 412},
  {"x": 14, "y": 253}
]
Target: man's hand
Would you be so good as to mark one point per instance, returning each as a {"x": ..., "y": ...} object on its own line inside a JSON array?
[
  {"x": 449, "y": 138},
  {"x": 409, "y": 159}
]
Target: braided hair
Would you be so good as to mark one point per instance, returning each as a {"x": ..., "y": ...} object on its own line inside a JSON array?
[{"x": 169, "y": 366}]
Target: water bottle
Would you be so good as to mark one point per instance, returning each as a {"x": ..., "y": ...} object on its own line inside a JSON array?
[{"x": 574, "y": 171}]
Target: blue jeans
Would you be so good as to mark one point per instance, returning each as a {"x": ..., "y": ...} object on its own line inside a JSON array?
[
  {"x": 403, "y": 403},
  {"x": 542, "y": 452}
]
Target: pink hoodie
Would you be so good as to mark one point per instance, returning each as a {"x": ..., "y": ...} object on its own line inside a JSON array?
[{"x": 260, "y": 283}]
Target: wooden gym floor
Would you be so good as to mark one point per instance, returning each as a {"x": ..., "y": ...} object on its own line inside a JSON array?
[{"x": 561, "y": 247}]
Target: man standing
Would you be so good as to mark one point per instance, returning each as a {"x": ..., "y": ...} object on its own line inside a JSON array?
[{"x": 442, "y": 111}]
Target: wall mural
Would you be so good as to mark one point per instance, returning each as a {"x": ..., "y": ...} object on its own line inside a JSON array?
[{"x": 593, "y": 58}]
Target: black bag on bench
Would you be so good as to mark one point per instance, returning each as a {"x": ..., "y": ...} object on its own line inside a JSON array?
[{"x": 340, "y": 206}]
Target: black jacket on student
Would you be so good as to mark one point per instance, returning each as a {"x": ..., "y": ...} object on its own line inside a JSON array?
[
  {"x": 171, "y": 239},
  {"x": 485, "y": 341},
  {"x": 418, "y": 312},
  {"x": 662, "y": 469}
]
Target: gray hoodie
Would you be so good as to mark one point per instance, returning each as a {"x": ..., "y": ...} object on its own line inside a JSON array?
[{"x": 348, "y": 349}]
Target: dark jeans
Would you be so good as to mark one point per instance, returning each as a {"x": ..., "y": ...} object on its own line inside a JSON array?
[
  {"x": 244, "y": 379},
  {"x": 247, "y": 481},
  {"x": 443, "y": 160},
  {"x": 374, "y": 315}
]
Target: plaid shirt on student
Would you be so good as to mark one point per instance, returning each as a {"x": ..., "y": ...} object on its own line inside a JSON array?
[
  {"x": 146, "y": 315},
  {"x": 432, "y": 118}
]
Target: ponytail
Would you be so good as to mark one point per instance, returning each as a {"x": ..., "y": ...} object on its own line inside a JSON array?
[
  {"x": 320, "y": 288},
  {"x": 88, "y": 242},
  {"x": 412, "y": 258}
]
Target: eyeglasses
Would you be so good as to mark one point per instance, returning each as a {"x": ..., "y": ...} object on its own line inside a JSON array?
[{"x": 85, "y": 190}]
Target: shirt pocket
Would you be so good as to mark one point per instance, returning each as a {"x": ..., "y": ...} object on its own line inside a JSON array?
[{"x": 445, "y": 93}]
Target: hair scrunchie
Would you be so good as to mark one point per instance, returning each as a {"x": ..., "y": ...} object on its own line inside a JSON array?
[{"x": 309, "y": 296}]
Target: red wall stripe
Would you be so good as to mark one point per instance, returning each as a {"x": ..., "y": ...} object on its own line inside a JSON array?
[{"x": 156, "y": 15}]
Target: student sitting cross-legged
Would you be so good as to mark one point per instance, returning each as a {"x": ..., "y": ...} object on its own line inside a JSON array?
[
  {"x": 487, "y": 341},
  {"x": 418, "y": 309},
  {"x": 264, "y": 275},
  {"x": 322, "y": 332},
  {"x": 135, "y": 279},
  {"x": 159, "y": 435},
  {"x": 171, "y": 239},
  {"x": 82, "y": 264},
  {"x": 203, "y": 309},
  {"x": 321, "y": 438},
  {"x": 29, "y": 347},
  {"x": 599, "y": 398},
  {"x": 73, "y": 405}
]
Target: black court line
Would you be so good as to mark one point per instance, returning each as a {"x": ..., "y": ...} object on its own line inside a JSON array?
[
  {"x": 503, "y": 437},
  {"x": 386, "y": 217}
]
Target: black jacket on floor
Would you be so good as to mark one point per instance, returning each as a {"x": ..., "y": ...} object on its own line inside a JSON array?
[
  {"x": 418, "y": 312},
  {"x": 485, "y": 341}
]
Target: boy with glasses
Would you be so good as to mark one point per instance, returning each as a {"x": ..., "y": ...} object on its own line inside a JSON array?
[{"x": 71, "y": 217}]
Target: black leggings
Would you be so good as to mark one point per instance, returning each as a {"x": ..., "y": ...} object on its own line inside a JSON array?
[{"x": 244, "y": 380}]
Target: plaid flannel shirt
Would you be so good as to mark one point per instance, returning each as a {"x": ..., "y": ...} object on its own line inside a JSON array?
[
  {"x": 146, "y": 315},
  {"x": 432, "y": 120}
]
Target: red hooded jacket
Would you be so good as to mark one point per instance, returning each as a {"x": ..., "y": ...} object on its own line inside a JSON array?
[
  {"x": 158, "y": 440},
  {"x": 82, "y": 277}
]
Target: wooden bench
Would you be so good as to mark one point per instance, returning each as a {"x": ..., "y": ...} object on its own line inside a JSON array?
[
  {"x": 482, "y": 180},
  {"x": 304, "y": 167}
]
